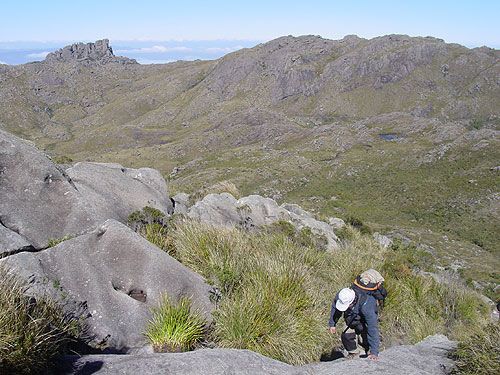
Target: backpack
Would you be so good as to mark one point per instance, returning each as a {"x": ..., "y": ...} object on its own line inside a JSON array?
[{"x": 354, "y": 317}]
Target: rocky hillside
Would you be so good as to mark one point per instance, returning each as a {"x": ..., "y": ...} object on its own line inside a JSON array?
[
  {"x": 64, "y": 234},
  {"x": 399, "y": 132}
]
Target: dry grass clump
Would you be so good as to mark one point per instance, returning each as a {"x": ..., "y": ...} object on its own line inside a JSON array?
[
  {"x": 32, "y": 332},
  {"x": 479, "y": 353}
]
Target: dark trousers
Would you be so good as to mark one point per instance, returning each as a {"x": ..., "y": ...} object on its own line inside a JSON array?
[{"x": 350, "y": 338}]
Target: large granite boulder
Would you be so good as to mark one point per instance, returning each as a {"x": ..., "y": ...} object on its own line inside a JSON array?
[
  {"x": 113, "y": 192},
  {"x": 427, "y": 357},
  {"x": 117, "y": 275},
  {"x": 38, "y": 201},
  {"x": 257, "y": 211}
]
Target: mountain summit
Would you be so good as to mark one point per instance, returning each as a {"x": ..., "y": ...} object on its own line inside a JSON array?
[{"x": 98, "y": 51}]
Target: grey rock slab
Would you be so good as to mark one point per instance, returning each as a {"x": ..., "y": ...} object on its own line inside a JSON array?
[
  {"x": 38, "y": 200},
  {"x": 104, "y": 269},
  {"x": 382, "y": 240},
  {"x": 11, "y": 242},
  {"x": 336, "y": 223},
  {"x": 303, "y": 219},
  {"x": 200, "y": 362},
  {"x": 113, "y": 192},
  {"x": 181, "y": 203},
  {"x": 260, "y": 210},
  {"x": 216, "y": 209},
  {"x": 427, "y": 357}
]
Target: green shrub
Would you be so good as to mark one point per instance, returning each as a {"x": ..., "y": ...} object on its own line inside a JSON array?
[
  {"x": 174, "y": 327},
  {"x": 479, "y": 353},
  {"x": 148, "y": 215},
  {"x": 358, "y": 224},
  {"x": 477, "y": 123},
  {"x": 32, "y": 332},
  {"x": 419, "y": 305}
]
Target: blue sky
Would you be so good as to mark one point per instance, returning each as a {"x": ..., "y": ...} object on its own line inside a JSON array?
[{"x": 471, "y": 23}]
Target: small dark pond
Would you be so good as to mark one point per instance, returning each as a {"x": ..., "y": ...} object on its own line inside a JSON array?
[{"x": 389, "y": 136}]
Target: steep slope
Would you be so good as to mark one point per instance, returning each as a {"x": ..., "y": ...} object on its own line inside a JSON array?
[{"x": 400, "y": 132}]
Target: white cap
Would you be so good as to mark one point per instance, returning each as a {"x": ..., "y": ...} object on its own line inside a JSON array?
[{"x": 345, "y": 298}]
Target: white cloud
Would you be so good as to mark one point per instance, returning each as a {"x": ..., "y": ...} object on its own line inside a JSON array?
[
  {"x": 3, "y": 62},
  {"x": 155, "y": 49},
  {"x": 216, "y": 50},
  {"x": 38, "y": 55},
  {"x": 148, "y": 61}
]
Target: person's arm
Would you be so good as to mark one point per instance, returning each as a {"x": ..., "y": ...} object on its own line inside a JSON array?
[
  {"x": 334, "y": 315},
  {"x": 369, "y": 311}
]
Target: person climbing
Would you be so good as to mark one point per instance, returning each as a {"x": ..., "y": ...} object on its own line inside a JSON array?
[{"x": 359, "y": 304}]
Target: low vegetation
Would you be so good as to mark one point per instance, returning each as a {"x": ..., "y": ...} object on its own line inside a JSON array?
[
  {"x": 479, "y": 353},
  {"x": 32, "y": 332},
  {"x": 56, "y": 241},
  {"x": 277, "y": 290},
  {"x": 174, "y": 327}
]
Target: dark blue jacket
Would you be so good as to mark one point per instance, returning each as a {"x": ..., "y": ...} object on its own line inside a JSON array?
[{"x": 368, "y": 313}]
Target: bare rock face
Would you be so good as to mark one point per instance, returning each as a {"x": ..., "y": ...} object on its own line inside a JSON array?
[
  {"x": 37, "y": 199},
  {"x": 118, "y": 275},
  {"x": 427, "y": 357},
  {"x": 98, "y": 51},
  {"x": 114, "y": 192},
  {"x": 10, "y": 242}
]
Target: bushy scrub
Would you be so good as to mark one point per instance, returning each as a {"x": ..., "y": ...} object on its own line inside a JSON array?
[
  {"x": 32, "y": 332},
  {"x": 277, "y": 290},
  {"x": 420, "y": 305},
  {"x": 174, "y": 327},
  {"x": 479, "y": 354}
]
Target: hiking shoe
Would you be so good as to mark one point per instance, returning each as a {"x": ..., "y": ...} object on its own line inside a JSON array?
[{"x": 352, "y": 355}]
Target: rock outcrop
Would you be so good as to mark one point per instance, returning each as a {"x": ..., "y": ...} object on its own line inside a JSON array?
[
  {"x": 105, "y": 273},
  {"x": 114, "y": 192},
  {"x": 117, "y": 275},
  {"x": 257, "y": 211},
  {"x": 99, "y": 51},
  {"x": 427, "y": 357},
  {"x": 40, "y": 201}
]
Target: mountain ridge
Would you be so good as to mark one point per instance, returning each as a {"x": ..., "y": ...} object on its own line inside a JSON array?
[{"x": 296, "y": 118}]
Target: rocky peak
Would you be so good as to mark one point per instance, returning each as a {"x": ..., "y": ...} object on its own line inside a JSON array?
[{"x": 99, "y": 51}]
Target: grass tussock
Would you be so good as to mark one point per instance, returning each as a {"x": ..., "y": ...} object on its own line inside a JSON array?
[
  {"x": 479, "y": 353},
  {"x": 174, "y": 327},
  {"x": 32, "y": 332},
  {"x": 277, "y": 289}
]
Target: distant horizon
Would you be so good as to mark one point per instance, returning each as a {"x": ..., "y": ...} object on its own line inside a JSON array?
[{"x": 151, "y": 51}]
